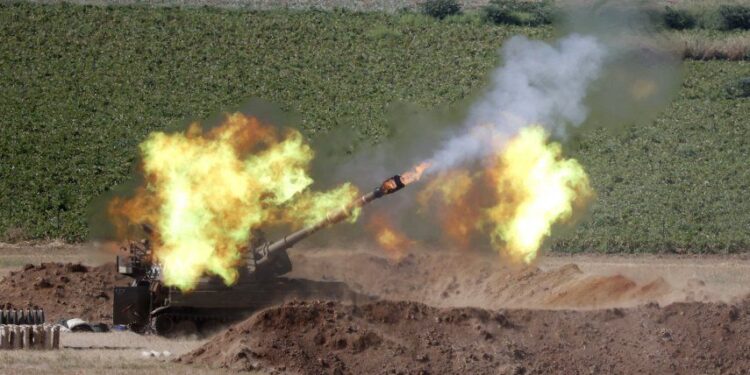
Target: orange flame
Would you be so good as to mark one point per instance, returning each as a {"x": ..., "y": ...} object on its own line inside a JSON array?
[
  {"x": 393, "y": 242},
  {"x": 526, "y": 187},
  {"x": 459, "y": 216},
  {"x": 416, "y": 173}
]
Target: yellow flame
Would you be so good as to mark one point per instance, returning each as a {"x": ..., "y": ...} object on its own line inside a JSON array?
[
  {"x": 536, "y": 187},
  {"x": 312, "y": 207},
  {"x": 206, "y": 191},
  {"x": 416, "y": 173},
  {"x": 393, "y": 242},
  {"x": 525, "y": 188}
]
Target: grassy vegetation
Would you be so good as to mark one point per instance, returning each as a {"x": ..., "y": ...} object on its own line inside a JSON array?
[
  {"x": 696, "y": 44},
  {"x": 80, "y": 87},
  {"x": 709, "y": 44},
  {"x": 679, "y": 183}
]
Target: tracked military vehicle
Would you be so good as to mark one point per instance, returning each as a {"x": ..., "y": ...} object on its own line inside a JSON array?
[{"x": 150, "y": 305}]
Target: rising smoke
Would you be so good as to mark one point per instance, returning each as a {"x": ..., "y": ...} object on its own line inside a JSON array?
[
  {"x": 593, "y": 76},
  {"x": 540, "y": 83}
]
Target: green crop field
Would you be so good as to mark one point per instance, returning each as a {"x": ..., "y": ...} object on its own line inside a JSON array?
[
  {"x": 679, "y": 183},
  {"x": 81, "y": 86}
]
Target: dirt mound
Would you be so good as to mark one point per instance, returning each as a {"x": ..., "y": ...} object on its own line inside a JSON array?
[
  {"x": 63, "y": 290},
  {"x": 406, "y": 337},
  {"x": 451, "y": 279},
  {"x": 603, "y": 290}
]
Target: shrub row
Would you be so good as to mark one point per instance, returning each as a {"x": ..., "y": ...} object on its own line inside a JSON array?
[
  {"x": 735, "y": 16},
  {"x": 731, "y": 17},
  {"x": 679, "y": 19},
  {"x": 512, "y": 12},
  {"x": 507, "y": 12},
  {"x": 440, "y": 8},
  {"x": 536, "y": 13}
]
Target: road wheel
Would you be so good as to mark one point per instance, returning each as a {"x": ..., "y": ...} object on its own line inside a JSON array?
[
  {"x": 185, "y": 327},
  {"x": 163, "y": 324}
]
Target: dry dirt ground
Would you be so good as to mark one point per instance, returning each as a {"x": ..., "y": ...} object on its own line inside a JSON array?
[
  {"x": 106, "y": 353},
  {"x": 456, "y": 279},
  {"x": 433, "y": 332},
  {"x": 392, "y": 337},
  {"x": 82, "y": 353}
]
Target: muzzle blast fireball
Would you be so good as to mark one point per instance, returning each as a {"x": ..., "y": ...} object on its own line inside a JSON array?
[{"x": 151, "y": 304}]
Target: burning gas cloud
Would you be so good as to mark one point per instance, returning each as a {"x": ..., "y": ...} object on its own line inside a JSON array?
[
  {"x": 524, "y": 185},
  {"x": 497, "y": 179},
  {"x": 536, "y": 187},
  {"x": 205, "y": 191},
  {"x": 522, "y": 191}
]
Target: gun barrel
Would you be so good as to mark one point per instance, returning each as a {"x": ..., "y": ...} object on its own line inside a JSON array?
[{"x": 389, "y": 186}]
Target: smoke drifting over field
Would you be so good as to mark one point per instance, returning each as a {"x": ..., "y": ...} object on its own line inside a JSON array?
[
  {"x": 540, "y": 83},
  {"x": 537, "y": 83},
  {"x": 539, "y": 90},
  {"x": 592, "y": 76}
]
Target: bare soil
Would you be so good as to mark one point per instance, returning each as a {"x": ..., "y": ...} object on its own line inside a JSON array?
[
  {"x": 567, "y": 315},
  {"x": 436, "y": 312},
  {"x": 460, "y": 279},
  {"x": 64, "y": 291},
  {"x": 15, "y": 256},
  {"x": 106, "y": 353},
  {"x": 389, "y": 337}
]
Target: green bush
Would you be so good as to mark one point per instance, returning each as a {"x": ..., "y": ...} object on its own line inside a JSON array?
[
  {"x": 679, "y": 19},
  {"x": 740, "y": 88},
  {"x": 518, "y": 12},
  {"x": 440, "y": 8},
  {"x": 735, "y": 16}
]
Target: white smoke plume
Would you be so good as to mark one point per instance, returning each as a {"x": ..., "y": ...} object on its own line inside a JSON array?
[{"x": 539, "y": 83}]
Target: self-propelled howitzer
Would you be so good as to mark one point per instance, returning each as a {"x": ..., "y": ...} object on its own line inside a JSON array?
[{"x": 148, "y": 304}]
